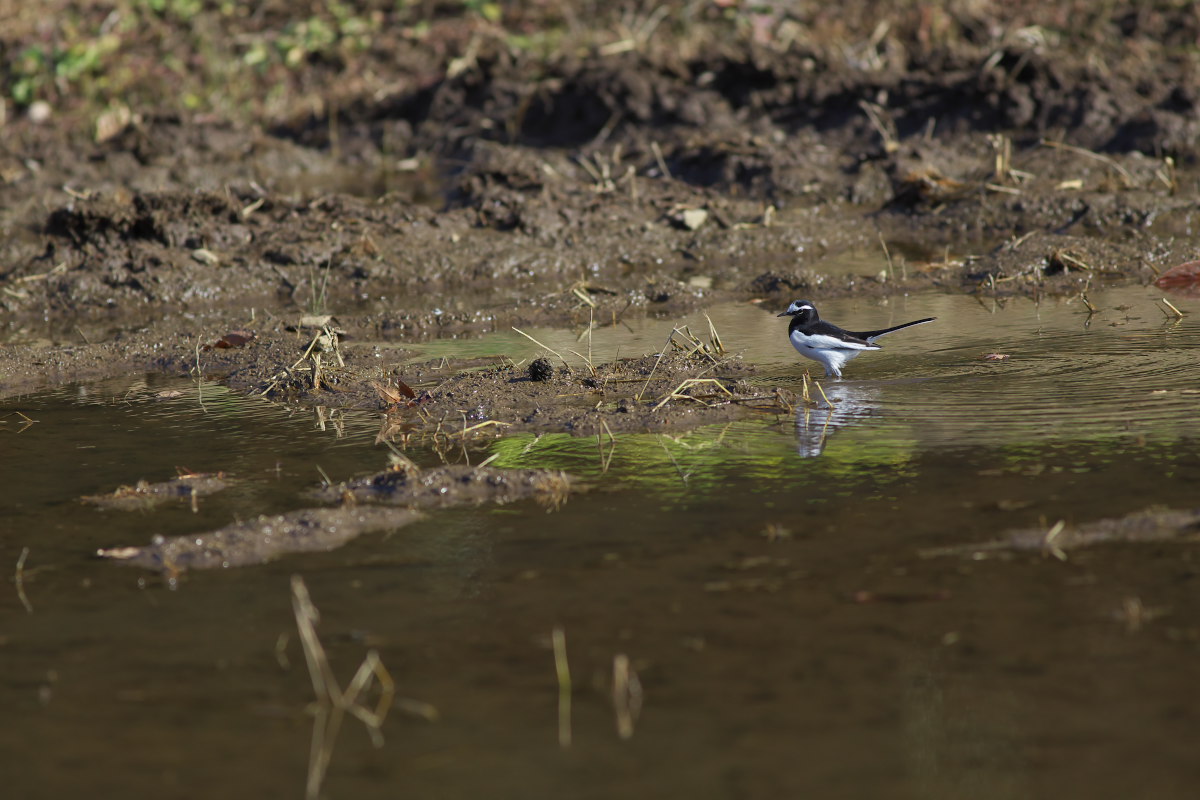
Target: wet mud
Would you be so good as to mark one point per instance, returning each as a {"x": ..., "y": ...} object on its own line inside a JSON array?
[
  {"x": 145, "y": 495},
  {"x": 268, "y": 538},
  {"x": 1148, "y": 526},
  {"x": 677, "y": 388},
  {"x": 260, "y": 540},
  {"x": 452, "y": 485}
]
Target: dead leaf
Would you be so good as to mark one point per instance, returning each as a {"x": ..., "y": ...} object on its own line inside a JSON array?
[
  {"x": 112, "y": 121},
  {"x": 394, "y": 394},
  {"x": 1183, "y": 275},
  {"x": 231, "y": 339}
]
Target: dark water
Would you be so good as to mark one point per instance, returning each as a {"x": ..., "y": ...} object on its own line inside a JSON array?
[{"x": 764, "y": 577}]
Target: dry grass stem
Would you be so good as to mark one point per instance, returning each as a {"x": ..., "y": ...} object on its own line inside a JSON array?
[
  {"x": 1167, "y": 175},
  {"x": 683, "y": 476},
  {"x": 658, "y": 158},
  {"x": 824, "y": 396},
  {"x": 1103, "y": 159},
  {"x": 544, "y": 347},
  {"x": 1002, "y": 171},
  {"x": 19, "y": 580},
  {"x": 883, "y": 124},
  {"x": 583, "y": 296},
  {"x": 1169, "y": 305},
  {"x": 486, "y": 461},
  {"x": 586, "y": 360},
  {"x": 627, "y": 695},
  {"x": 714, "y": 338},
  {"x": 1048, "y": 543},
  {"x": 888, "y": 255},
  {"x": 662, "y": 353},
  {"x": 677, "y": 393},
  {"x": 480, "y": 425},
  {"x": 332, "y": 703},
  {"x": 563, "y": 673},
  {"x": 605, "y": 458}
]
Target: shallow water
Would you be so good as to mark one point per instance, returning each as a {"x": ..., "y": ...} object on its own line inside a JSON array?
[{"x": 764, "y": 577}]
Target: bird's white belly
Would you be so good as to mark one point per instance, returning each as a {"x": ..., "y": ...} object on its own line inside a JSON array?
[{"x": 830, "y": 352}]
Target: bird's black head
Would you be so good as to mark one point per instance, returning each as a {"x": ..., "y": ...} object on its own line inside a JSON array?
[{"x": 803, "y": 310}]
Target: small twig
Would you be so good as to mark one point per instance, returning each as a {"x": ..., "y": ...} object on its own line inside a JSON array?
[
  {"x": 324, "y": 477},
  {"x": 1168, "y": 304},
  {"x": 1103, "y": 159}
]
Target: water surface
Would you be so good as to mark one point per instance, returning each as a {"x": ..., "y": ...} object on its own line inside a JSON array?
[{"x": 763, "y": 576}]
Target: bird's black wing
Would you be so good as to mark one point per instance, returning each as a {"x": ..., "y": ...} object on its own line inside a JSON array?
[{"x": 833, "y": 334}]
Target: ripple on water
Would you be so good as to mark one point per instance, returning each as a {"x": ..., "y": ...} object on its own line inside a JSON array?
[{"x": 1119, "y": 377}]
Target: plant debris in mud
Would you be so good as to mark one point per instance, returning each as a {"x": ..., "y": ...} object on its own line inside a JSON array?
[
  {"x": 269, "y": 537},
  {"x": 637, "y": 394},
  {"x": 452, "y": 485},
  {"x": 144, "y": 495},
  {"x": 1150, "y": 525},
  {"x": 261, "y": 539},
  {"x": 689, "y": 383}
]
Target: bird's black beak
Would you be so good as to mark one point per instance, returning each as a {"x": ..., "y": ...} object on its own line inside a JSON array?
[{"x": 784, "y": 314}]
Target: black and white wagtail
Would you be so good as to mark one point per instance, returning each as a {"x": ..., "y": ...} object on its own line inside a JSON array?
[{"x": 832, "y": 346}]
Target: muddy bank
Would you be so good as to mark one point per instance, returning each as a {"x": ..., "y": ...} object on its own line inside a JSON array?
[{"x": 470, "y": 181}]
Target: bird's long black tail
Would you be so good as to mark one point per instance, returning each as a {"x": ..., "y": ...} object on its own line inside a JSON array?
[{"x": 869, "y": 335}]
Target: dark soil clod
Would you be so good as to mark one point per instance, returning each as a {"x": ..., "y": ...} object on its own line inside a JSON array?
[{"x": 540, "y": 369}]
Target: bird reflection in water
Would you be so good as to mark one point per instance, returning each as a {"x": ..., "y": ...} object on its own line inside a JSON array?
[{"x": 838, "y": 406}]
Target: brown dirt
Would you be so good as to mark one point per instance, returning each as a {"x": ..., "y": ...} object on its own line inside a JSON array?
[{"x": 449, "y": 177}]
